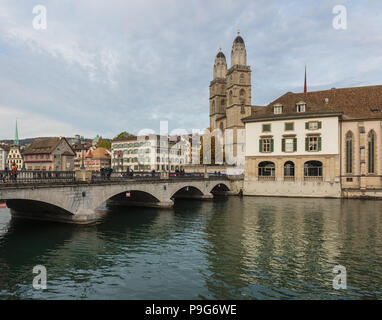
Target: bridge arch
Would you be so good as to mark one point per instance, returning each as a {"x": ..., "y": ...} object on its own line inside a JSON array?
[
  {"x": 219, "y": 188},
  {"x": 127, "y": 194}
]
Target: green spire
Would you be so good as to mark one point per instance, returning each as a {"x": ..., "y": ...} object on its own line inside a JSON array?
[{"x": 16, "y": 142}]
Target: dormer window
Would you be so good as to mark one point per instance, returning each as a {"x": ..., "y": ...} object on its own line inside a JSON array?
[
  {"x": 300, "y": 107},
  {"x": 278, "y": 109}
]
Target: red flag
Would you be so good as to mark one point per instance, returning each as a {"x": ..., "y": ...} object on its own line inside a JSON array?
[{"x": 305, "y": 89}]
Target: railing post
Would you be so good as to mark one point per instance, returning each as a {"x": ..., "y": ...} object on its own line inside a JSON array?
[
  {"x": 83, "y": 176},
  {"x": 206, "y": 175},
  {"x": 164, "y": 175}
]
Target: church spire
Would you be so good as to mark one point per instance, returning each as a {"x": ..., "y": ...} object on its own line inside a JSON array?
[{"x": 16, "y": 141}]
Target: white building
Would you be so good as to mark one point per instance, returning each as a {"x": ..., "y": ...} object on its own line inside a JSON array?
[
  {"x": 4, "y": 149},
  {"x": 152, "y": 152},
  {"x": 293, "y": 148}
]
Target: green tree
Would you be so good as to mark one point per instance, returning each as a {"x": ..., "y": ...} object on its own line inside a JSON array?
[
  {"x": 123, "y": 135},
  {"x": 105, "y": 144}
]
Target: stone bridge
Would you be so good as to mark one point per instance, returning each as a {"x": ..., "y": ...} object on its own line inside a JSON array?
[{"x": 80, "y": 202}]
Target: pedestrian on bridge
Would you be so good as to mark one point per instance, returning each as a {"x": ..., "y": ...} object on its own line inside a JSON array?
[{"x": 14, "y": 172}]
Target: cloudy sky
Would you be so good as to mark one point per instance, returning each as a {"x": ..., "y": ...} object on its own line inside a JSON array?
[{"x": 105, "y": 66}]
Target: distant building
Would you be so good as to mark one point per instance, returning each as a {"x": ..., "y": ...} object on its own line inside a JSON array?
[
  {"x": 97, "y": 159},
  {"x": 152, "y": 152},
  {"x": 15, "y": 157},
  {"x": 4, "y": 149},
  {"x": 54, "y": 154},
  {"x": 15, "y": 154},
  {"x": 81, "y": 150}
]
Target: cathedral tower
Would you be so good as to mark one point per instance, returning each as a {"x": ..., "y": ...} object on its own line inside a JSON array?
[
  {"x": 238, "y": 85},
  {"x": 238, "y": 95},
  {"x": 218, "y": 99}
]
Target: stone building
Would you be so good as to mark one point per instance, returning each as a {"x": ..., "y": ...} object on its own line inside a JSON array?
[
  {"x": 324, "y": 143},
  {"x": 230, "y": 94},
  {"x": 54, "y": 154}
]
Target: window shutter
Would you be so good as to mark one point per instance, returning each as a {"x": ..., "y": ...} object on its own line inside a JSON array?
[
  {"x": 306, "y": 125},
  {"x": 271, "y": 145},
  {"x": 306, "y": 144},
  {"x": 295, "y": 144},
  {"x": 319, "y": 143},
  {"x": 260, "y": 145},
  {"x": 283, "y": 145},
  {"x": 319, "y": 124}
]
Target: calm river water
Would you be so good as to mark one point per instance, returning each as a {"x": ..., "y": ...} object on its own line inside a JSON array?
[{"x": 235, "y": 248}]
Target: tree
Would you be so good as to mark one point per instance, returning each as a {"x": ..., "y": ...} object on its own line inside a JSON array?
[
  {"x": 123, "y": 135},
  {"x": 105, "y": 144}
]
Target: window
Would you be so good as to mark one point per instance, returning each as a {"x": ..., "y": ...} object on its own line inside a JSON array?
[
  {"x": 242, "y": 110},
  {"x": 313, "y": 143},
  {"x": 266, "y": 169},
  {"x": 266, "y": 145},
  {"x": 349, "y": 152},
  {"x": 278, "y": 109},
  {"x": 213, "y": 107},
  {"x": 300, "y": 107},
  {"x": 266, "y": 128},
  {"x": 242, "y": 96},
  {"x": 371, "y": 152},
  {"x": 313, "y": 169},
  {"x": 289, "y": 145},
  {"x": 289, "y": 169},
  {"x": 289, "y": 126},
  {"x": 313, "y": 125},
  {"x": 230, "y": 98},
  {"x": 242, "y": 78}
]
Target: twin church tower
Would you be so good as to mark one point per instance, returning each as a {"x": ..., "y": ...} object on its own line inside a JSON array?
[{"x": 230, "y": 89}]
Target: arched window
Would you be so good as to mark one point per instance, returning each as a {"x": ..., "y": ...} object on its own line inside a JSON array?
[
  {"x": 242, "y": 78},
  {"x": 349, "y": 152},
  {"x": 289, "y": 169},
  {"x": 313, "y": 169},
  {"x": 222, "y": 105},
  {"x": 230, "y": 98},
  {"x": 371, "y": 152},
  {"x": 242, "y": 96},
  {"x": 221, "y": 126},
  {"x": 266, "y": 169}
]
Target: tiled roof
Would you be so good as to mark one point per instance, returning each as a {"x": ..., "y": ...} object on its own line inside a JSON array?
[
  {"x": 43, "y": 145},
  {"x": 99, "y": 153},
  {"x": 355, "y": 103}
]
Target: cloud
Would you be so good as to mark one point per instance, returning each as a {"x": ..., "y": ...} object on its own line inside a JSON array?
[{"x": 106, "y": 67}]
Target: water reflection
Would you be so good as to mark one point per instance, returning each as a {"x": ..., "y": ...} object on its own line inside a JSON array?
[{"x": 236, "y": 248}]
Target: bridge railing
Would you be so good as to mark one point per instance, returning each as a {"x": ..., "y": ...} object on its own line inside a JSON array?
[
  {"x": 122, "y": 176},
  {"x": 6, "y": 177}
]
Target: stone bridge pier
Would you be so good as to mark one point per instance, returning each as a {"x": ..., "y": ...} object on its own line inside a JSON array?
[{"x": 80, "y": 203}]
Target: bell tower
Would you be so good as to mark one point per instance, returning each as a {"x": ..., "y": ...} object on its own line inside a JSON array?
[
  {"x": 218, "y": 100},
  {"x": 238, "y": 89}
]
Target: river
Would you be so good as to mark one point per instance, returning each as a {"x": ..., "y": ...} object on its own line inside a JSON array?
[{"x": 229, "y": 248}]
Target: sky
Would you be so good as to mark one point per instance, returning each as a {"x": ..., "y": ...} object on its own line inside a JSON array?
[{"x": 102, "y": 66}]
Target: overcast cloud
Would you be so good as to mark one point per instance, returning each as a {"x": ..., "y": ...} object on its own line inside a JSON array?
[{"x": 108, "y": 66}]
